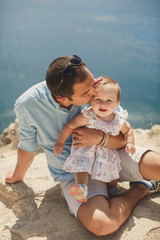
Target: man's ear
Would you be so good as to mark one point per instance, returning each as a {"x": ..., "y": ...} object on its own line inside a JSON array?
[{"x": 62, "y": 99}]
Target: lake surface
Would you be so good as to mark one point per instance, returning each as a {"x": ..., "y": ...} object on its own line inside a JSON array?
[{"x": 119, "y": 38}]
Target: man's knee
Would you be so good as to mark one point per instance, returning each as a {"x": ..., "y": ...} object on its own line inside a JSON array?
[
  {"x": 149, "y": 165},
  {"x": 97, "y": 217},
  {"x": 105, "y": 228},
  {"x": 101, "y": 225}
]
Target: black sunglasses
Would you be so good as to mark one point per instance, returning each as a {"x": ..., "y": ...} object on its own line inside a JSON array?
[{"x": 68, "y": 72}]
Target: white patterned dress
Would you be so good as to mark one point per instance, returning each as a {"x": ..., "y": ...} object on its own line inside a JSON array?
[{"x": 101, "y": 163}]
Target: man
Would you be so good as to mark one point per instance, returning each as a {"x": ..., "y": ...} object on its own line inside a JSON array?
[{"x": 42, "y": 112}]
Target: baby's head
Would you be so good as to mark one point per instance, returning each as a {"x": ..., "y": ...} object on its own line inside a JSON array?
[
  {"x": 103, "y": 81},
  {"x": 107, "y": 96}
]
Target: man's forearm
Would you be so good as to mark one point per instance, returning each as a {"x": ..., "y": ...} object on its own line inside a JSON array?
[
  {"x": 84, "y": 137},
  {"x": 116, "y": 142},
  {"x": 24, "y": 160}
]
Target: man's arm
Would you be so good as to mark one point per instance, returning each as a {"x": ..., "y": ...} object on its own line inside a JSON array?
[
  {"x": 87, "y": 137},
  {"x": 116, "y": 142},
  {"x": 24, "y": 160}
]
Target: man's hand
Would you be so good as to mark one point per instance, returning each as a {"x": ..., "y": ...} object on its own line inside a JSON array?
[
  {"x": 24, "y": 160},
  {"x": 84, "y": 137}
]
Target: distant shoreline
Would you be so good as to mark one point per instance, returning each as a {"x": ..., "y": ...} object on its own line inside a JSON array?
[{"x": 8, "y": 117}]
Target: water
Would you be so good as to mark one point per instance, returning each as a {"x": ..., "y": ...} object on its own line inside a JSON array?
[{"x": 119, "y": 38}]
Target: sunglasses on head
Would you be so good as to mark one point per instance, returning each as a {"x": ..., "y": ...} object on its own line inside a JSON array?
[{"x": 68, "y": 72}]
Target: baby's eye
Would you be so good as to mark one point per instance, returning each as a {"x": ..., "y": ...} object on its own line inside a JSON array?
[{"x": 109, "y": 101}]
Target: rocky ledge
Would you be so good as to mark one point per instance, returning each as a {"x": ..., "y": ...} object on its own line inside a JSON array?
[{"x": 35, "y": 210}]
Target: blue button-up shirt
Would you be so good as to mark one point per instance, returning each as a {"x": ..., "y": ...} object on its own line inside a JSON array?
[{"x": 41, "y": 120}]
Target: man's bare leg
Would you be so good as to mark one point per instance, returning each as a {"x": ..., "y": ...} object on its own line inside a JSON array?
[
  {"x": 149, "y": 165},
  {"x": 102, "y": 217}
]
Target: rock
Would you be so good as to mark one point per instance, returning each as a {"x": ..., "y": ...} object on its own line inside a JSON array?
[
  {"x": 153, "y": 234},
  {"x": 11, "y": 134},
  {"x": 149, "y": 138},
  {"x": 35, "y": 210}
]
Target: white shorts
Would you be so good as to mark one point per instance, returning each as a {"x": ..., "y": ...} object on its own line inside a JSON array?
[{"x": 129, "y": 172}]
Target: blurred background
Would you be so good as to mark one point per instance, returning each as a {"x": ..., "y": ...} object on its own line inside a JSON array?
[{"x": 117, "y": 38}]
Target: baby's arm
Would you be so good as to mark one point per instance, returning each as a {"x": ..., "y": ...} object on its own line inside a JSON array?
[
  {"x": 129, "y": 136},
  {"x": 78, "y": 121}
]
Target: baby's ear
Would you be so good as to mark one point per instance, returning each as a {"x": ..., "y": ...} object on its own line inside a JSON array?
[{"x": 118, "y": 103}]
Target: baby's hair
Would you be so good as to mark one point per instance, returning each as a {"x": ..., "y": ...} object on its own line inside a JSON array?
[{"x": 109, "y": 80}]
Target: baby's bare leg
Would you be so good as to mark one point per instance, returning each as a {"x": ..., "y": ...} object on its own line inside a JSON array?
[
  {"x": 81, "y": 178},
  {"x": 112, "y": 184}
]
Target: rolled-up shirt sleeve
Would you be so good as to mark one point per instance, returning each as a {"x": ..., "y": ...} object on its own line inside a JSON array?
[{"x": 28, "y": 132}]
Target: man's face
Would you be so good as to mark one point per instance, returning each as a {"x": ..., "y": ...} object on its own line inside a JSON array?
[{"x": 83, "y": 92}]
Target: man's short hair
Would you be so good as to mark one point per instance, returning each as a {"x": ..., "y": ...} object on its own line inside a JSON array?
[{"x": 54, "y": 76}]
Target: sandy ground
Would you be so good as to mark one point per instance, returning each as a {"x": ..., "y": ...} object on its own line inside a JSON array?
[{"x": 35, "y": 210}]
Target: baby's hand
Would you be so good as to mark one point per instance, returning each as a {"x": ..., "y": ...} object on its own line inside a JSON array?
[
  {"x": 58, "y": 148},
  {"x": 130, "y": 148}
]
